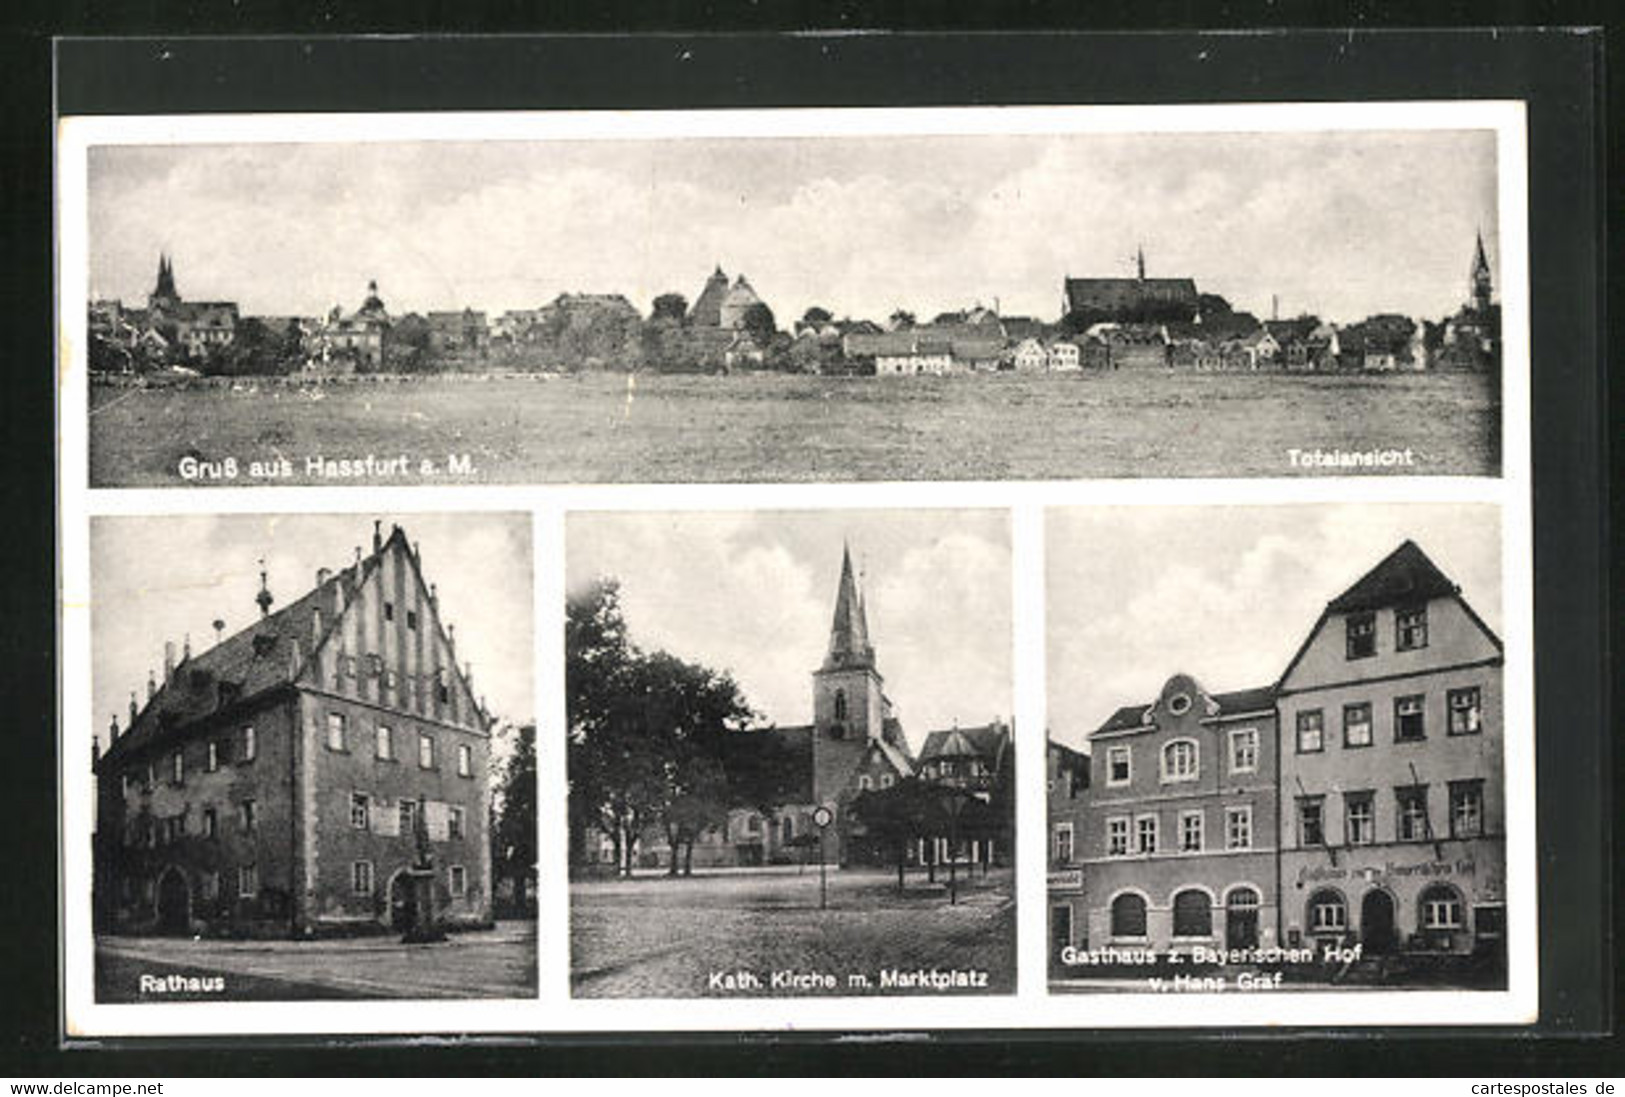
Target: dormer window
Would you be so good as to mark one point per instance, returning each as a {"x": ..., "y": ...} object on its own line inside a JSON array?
[{"x": 1179, "y": 704}]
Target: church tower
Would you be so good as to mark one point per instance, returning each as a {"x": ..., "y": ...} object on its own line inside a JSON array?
[
  {"x": 849, "y": 705},
  {"x": 164, "y": 296},
  {"x": 1481, "y": 287}
]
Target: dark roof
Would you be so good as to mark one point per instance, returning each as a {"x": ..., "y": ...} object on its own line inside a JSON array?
[
  {"x": 1233, "y": 703},
  {"x": 986, "y": 741},
  {"x": 1297, "y": 328},
  {"x": 1119, "y": 293},
  {"x": 249, "y": 663},
  {"x": 1404, "y": 575}
]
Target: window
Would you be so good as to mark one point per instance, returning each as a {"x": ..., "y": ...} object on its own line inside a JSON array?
[
  {"x": 1179, "y": 704},
  {"x": 177, "y": 768},
  {"x": 864, "y": 783},
  {"x": 360, "y": 810},
  {"x": 1408, "y": 719},
  {"x": 211, "y": 886},
  {"x": 1311, "y": 731},
  {"x": 840, "y": 704},
  {"x": 1145, "y": 834},
  {"x": 389, "y": 611},
  {"x": 383, "y": 746},
  {"x": 1466, "y": 809},
  {"x": 1328, "y": 913},
  {"x": 1128, "y": 916},
  {"x": 1412, "y": 804},
  {"x": 1063, "y": 843},
  {"x": 248, "y": 881},
  {"x": 213, "y": 762},
  {"x": 454, "y": 823},
  {"x": 1361, "y": 635},
  {"x": 885, "y": 780},
  {"x": 443, "y": 693},
  {"x": 245, "y": 816},
  {"x": 1119, "y": 765},
  {"x": 1360, "y": 813},
  {"x": 1357, "y": 724},
  {"x": 409, "y": 817},
  {"x": 1311, "y": 821},
  {"x": 1179, "y": 760},
  {"x": 347, "y": 665},
  {"x": 1411, "y": 628},
  {"x": 1117, "y": 836},
  {"x": 753, "y": 824},
  {"x": 1466, "y": 710},
  {"x": 412, "y": 619},
  {"x": 361, "y": 877},
  {"x": 425, "y": 751},
  {"x": 150, "y": 780},
  {"x": 1190, "y": 832},
  {"x": 787, "y": 830},
  {"x": 1238, "y": 827},
  {"x": 1441, "y": 908},
  {"x": 1244, "y": 750},
  {"x": 459, "y": 881},
  {"x": 211, "y": 823},
  {"x": 465, "y": 760},
  {"x": 1193, "y": 914},
  {"x": 250, "y": 745},
  {"x": 335, "y": 731}
]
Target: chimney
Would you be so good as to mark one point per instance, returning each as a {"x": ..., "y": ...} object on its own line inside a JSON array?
[
  {"x": 377, "y": 536},
  {"x": 219, "y": 631},
  {"x": 434, "y": 596},
  {"x": 186, "y": 650},
  {"x": 152, "y": 685},
  {"x": 451, "y": 636},
  {"x": 112, "y": 730},
  {"x": 357, "y": 557},
  {"x": 169, "y": 660},
  {"x": 322, "y": 576},
  {"x": 96, "y": 745},
  {"x": 133, "y": 709},
  {"x": 296, "y": 656},
  {"x": 1275, "y": 306}
]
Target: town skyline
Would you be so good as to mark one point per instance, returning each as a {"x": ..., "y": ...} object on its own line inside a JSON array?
[
  {"x": 1224, "y": 594},
  {"x": 755, "y": 597},
  {"x": 1341, "y": 224}
]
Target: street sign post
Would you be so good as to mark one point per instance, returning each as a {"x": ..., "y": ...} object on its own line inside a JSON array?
[{"x": 823, "y": 817}]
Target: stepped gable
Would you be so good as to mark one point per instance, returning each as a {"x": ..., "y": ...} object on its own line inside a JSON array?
[{"x": 1404, "y": 575}]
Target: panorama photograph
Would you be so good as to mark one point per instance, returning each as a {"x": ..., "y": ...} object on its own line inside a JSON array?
[{"x": 836, "y": 307}]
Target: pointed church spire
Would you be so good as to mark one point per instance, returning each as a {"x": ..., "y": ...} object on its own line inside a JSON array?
[
  {"x": 1481, "y": 286},
  {"x": 849, "y": 632}
]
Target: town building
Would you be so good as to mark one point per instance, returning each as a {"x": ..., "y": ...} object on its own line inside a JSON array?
[
  {"x": 462, "y": 332},
  {"x": 721, "y": 304},
  {"x": 1177, "y": 838},
  {"x": 1393, "y": 815},
  {"x": 345, "y": 342},
  {"x": 195, "y": 327},
  {"x": 1472, "y": 337},
  {"x": 1064, "y": 357},
  {"x": 1136, "y": 299},
  {"x": 1066, "y": 782},
  {"x": 325, "y": 770},
  {"x": 1030, "y": 356}
]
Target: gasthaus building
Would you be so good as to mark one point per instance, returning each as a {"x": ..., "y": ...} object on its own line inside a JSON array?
[
  {"x": 325, "y": 770},
  {"x": 1391, "y": 771},
  {"x": 1177, "y": 849}
]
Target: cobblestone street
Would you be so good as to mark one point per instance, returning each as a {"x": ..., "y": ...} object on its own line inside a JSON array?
[
  {"x": 727, "y": 934},
  {"x": 496, "y": 963}
]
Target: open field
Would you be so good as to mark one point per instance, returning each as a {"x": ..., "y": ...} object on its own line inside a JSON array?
[
  {"x": 495, "y": 963},
  {"x": 678, "y": 938},
  {"x": 653, "y": 428}
]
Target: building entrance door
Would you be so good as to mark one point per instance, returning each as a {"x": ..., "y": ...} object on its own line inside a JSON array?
[
  {"x": 1377, "y": 922},
  {"x": 174, "y": 902},
  {"x": 402, "y": 903},
  {"x": 1241, "y": 919},
  {"x": 1060, "y": 929}
]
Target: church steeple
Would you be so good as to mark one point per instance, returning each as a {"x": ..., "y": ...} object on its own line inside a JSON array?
[
  {"x": 1481, "y": 287},
  {"x": 849, "y": 645},
  {"x": 164, "y": 292}
]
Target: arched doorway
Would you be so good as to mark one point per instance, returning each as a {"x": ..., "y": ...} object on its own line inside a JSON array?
[
  {"x": 1377, "y": 922},
  {"x": 1241, "y": 919},
  {"x": 402, "y": 902},
  {"x": 174, "y": 902}
]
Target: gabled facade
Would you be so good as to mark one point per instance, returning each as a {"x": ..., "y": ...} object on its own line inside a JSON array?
[
  {"x": 292, "y": 779},
  {"x": 1393, "y": 816}
]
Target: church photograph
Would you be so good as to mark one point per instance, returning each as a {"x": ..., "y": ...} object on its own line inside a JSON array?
[
  {"x": 791, "y": 753},
  {"x": 315, "y": 743}
]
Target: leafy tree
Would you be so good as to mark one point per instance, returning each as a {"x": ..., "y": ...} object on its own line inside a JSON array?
[
  {"x": 513, "y": 829},
  {"x": 759, "y": 324},
  {"x": 407, "y": 345},
  {"x": 899, "y": 816},
  {"x": 670, "y": 306},
  {"x": 900, "y": 318},
  {"x": 817, "y": 315}
]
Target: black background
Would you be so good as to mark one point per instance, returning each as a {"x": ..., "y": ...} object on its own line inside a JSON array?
[{"x": 1559, "y": 73}]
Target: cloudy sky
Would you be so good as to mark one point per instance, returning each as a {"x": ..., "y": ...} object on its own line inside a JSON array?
[
  {"x": 753, "y": 593},
  {"x": 158, "y": 578},
  {"x": 1339, "y": 223},
  {"x": 1224, "y": 593}
]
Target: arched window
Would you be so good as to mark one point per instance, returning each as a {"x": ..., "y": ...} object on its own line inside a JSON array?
[
  {"x": 1128, "y": 916},
  {"x": 1242, "y": 899},
  {"x": 1193, "y": 914},
  {"x": 840, "y": 704},
  {"x": 1440, "y": 905},
  {"x": 1179, "y": 760},
  {"x": 1328, "y": 912}
]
